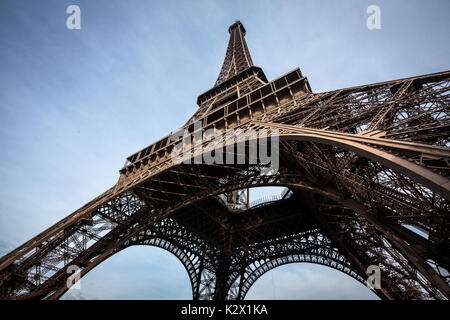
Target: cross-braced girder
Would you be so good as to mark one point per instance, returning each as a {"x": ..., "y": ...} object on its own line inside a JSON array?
[
  {"x": 367, "y": 168},
  {"x": 237, "y": 57}
]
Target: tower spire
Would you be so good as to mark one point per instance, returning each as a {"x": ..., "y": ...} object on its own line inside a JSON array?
[{"x": 237, "y": 57}]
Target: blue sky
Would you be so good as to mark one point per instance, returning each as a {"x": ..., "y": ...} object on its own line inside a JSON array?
[{"x": 75, "y": 103}]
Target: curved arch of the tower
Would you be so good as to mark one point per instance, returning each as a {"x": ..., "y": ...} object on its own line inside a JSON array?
[{"x": 366, "y": 169}]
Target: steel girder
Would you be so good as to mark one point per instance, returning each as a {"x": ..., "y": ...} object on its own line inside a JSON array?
[{"x": 368, "y": 165}]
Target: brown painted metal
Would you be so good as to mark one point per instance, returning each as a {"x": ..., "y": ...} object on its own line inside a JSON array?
[{"x": 362, "y": 165}]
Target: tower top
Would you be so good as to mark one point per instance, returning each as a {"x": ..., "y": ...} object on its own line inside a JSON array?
[
  {"x": 235, "y": 25},
  {"x": 237, "y": 57}
]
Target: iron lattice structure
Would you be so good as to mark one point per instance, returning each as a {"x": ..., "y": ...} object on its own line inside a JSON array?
[{"x": 364, "y": 168}]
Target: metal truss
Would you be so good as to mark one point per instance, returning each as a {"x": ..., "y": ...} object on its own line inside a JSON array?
[
  {"x": 367, "y": 172},
  {"x": 237, "y": 57}
]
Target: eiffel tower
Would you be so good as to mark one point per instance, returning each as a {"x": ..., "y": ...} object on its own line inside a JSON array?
[{"x": 366, "y": 177}]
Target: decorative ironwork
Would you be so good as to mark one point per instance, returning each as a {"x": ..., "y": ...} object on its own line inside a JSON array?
[{"x": 365, "y": 167}]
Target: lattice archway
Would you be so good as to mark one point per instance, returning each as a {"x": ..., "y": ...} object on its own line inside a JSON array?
[
  {"x": 259, "y": 271},
  {"x": 185, "y": 259}
]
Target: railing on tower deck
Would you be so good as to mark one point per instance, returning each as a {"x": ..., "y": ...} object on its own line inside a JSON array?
[{"x": 287, "y": 193}]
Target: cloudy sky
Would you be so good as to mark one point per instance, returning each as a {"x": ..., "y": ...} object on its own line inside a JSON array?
[{"x": 75, "y": 103}]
